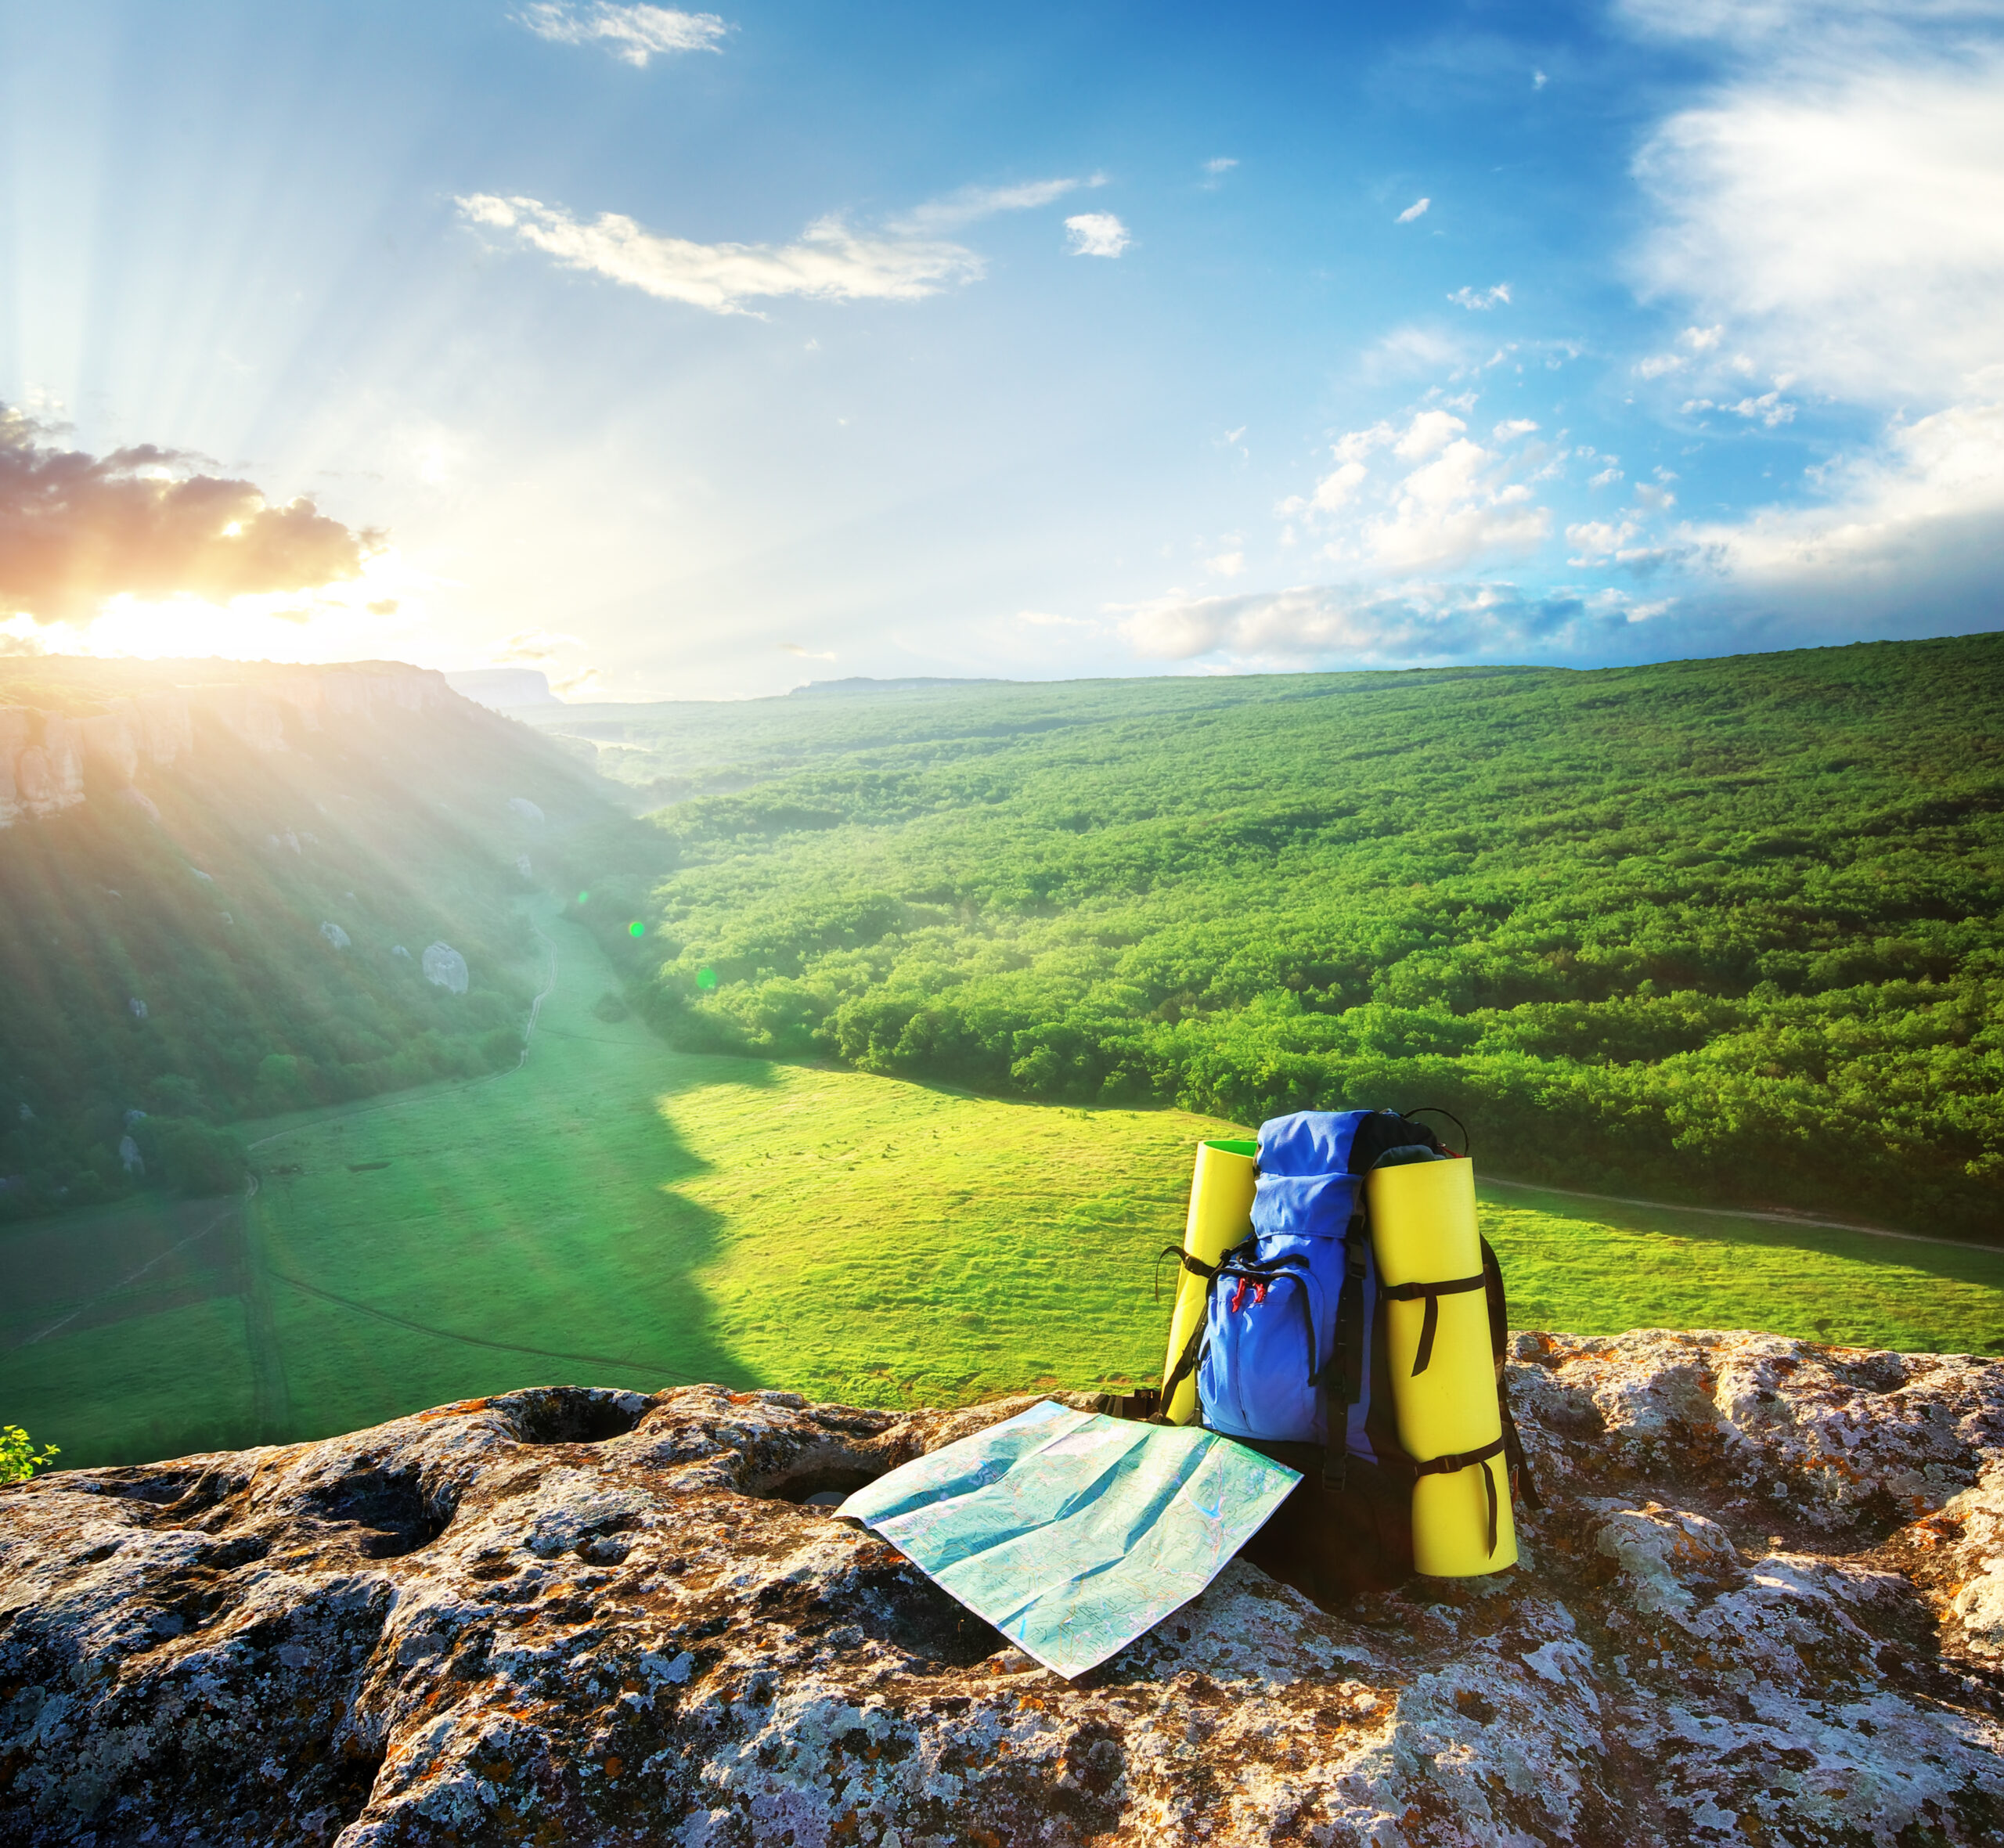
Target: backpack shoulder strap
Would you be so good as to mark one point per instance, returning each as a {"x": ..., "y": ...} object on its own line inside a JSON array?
[
  {"x": 1499, "y": 1323},
  {"x": 1343, "y": 1379}
]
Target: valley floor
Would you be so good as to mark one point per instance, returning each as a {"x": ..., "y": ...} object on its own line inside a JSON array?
[{"x": 617, "y": 1214}]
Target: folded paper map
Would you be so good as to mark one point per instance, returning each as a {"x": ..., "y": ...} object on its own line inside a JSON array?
[{"x": 1073, "y": 1533}]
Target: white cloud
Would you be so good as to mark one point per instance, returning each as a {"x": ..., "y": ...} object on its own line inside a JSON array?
[
  {"x": 1043, "y": 619},
  {"x": 1607, "y": 478},
  {"x": 1755, "y": 25},
  {"x": 632, "y": 34},
  {"x": 1598, "y": 541},
  {"x": 1838, "y": 203},
  {"x": 1412, "y": 349},
  {"x": 1347, "y": 623},
  {"x": 1509, "y": 432},
  {"x": 1454, "y": 508},
  {"x": 1850, "y": 227},
  {"x": 1097, "y": 234},
  {"x": 1927, "y": 506},
  {"x": 1336, "y": 490},
  {"x": 1482, "y": 300},
  {"x": 971, "y": 203},
  {"x": 529, "y": 646},
  {"x": 1227, "y": 564},
  {"x": 1445, "y": 500},
  {"x": 804, "y": 653},
  {"x": 1770, "y": 408},
  {"x": 1539, "y": 80},
  {"x": 830, "y": 262},
  {"x": 1428, "y": 434},
  {"x": 1417, "y": 209},
  {"x": 1223, "y": 163}
]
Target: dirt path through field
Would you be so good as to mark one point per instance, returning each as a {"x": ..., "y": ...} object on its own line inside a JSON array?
[
  {"x": 1737, "y": 1212},
  {"x": 228, "y": 1211}
]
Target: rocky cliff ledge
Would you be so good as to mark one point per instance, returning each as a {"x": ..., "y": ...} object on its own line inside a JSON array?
[
  {"x": 49, "y": 761},
  {"x": 1765, "y": 1604}
]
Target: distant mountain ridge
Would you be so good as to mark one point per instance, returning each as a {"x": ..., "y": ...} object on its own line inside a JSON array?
[
  {"x": 502, "y": 688},
  {"x": 863, "y": 684}
]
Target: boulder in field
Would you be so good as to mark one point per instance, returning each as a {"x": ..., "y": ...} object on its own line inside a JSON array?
[
  {"x": 334, "y": 934},
  {"x": 444, "y": 966}
]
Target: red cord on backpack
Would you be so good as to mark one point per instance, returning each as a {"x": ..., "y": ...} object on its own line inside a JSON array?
[{"x": 1259, "y": 1289}]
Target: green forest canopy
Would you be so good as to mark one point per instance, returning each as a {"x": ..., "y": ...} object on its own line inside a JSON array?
[{"x": 1727, "y": 929}]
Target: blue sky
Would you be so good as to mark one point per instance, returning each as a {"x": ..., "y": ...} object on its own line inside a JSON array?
[{"x": 693, "y": 353}]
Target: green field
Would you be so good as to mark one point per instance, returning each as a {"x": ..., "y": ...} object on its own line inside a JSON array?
[{"x": 621, "y": 1214}]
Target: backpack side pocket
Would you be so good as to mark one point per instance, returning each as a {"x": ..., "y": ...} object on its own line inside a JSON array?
[{"x": 1262, "y": 1344}]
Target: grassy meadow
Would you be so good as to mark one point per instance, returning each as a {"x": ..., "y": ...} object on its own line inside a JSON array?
[{"x": 618, "y": 1213}]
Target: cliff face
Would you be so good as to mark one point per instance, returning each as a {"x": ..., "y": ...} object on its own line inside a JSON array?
[
  {"x": 1766, "y": 1603},
  {"x": 50, "y": 761}
]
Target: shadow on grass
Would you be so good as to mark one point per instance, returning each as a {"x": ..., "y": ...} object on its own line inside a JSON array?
[
  {"x": 433, "y": 1245},
  {"x": 532, "y": 1231}
]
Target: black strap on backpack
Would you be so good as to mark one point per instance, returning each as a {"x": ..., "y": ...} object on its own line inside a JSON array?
[
  {"x": 1192, "y": 1357},
  {"x": 1343, "y": 1379},
  {"x": 1429, "y": 1325},
  {"x": 1499, "y": 1325},
  {"x": 1446, "y": 1466},
  {"x": 1195, "y": 1265}
]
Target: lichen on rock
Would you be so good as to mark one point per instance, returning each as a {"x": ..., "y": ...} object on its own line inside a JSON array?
[{"x": 1764, "y": 1602}]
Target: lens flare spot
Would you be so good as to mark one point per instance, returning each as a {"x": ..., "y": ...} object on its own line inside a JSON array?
[
  {"x": 636, "y": 929},
  {"x": 706, "y": 979}
]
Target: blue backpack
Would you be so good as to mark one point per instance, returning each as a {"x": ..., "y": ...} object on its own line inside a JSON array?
[
  {"x": 1291, "y": 1357},
  {"x": 1281, "y": 1341}
]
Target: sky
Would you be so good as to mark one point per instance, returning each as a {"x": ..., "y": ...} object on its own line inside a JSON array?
[{"x": 693, "y": 354}]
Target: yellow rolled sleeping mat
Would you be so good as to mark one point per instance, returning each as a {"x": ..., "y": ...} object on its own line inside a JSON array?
[
  {"x": 1220, "y": 1216},
  {"x": 1443, "y": 1375}
]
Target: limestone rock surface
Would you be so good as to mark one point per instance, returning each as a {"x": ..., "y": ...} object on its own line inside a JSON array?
[
  {"x": 1765, "y": 1603},
  {"x": 444, "y": 968}
]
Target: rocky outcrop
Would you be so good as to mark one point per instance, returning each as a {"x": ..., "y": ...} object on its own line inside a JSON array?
[
  {"x": 444, "y": 968},
  {"x": 44, "y": 761},
  {"x": 49, "y": 762},
  {"x": 1761, "y": 1606}
]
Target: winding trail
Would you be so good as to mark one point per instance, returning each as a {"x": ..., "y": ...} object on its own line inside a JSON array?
[
  {"x": 220, "y": 1219},
  {"x": 478, "y": 1341},
  {"x": 1738, "y": 1212}
]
